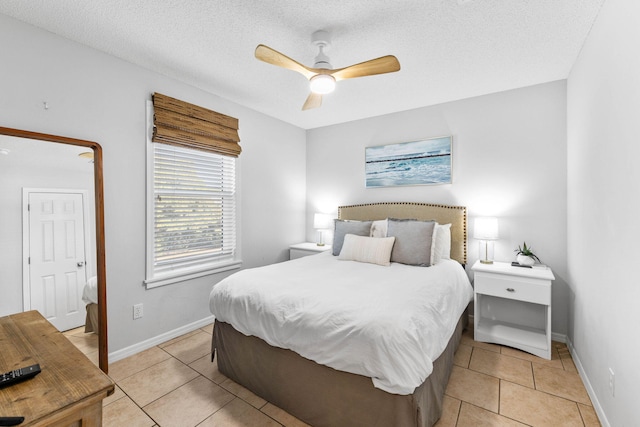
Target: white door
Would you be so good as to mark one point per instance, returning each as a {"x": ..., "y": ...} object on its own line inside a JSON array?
[{"x": 57, "y": 257}]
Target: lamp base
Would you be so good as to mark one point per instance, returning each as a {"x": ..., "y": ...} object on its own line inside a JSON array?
[{"x": 486, "y": 252}]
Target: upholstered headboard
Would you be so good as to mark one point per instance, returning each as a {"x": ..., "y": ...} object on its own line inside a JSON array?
[{"x": 443, "y": 214}]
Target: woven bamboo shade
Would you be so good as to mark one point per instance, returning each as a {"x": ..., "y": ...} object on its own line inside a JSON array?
[{"x": 179, "y": 123}]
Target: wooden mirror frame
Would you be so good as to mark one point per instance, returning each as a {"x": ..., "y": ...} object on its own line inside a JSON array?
[{"x": 103, "y": 352}]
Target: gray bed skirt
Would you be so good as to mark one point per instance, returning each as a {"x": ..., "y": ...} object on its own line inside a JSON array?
[
  {"x": 322, "y": 396},
  {"x": 91, "y": 320}
]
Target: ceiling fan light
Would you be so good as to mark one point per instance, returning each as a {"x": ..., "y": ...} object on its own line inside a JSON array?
[{"x": 322, "y": 84}]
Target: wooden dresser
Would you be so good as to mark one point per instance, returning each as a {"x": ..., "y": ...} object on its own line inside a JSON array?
[{"x": 68, "y": 391}]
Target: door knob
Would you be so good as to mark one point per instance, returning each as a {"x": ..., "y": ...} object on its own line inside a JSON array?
[{"x": 80, "y": 264}]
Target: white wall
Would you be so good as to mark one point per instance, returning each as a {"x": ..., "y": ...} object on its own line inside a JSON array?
[
  {"x": 509, "y": 161},
  {"x": 604, "y": 210},
  {"x": 97, "y": 97}
]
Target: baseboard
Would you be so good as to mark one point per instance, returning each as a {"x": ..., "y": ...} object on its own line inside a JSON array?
[
  {"x": 602, "y": 417},
  {"x": 555, "y": 336},
  {"x": 152, "y": 342}
]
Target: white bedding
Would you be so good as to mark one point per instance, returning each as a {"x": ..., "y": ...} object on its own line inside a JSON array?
[
  {"x": 387, "y": 323},
  {"x": 90, "y": 291}
]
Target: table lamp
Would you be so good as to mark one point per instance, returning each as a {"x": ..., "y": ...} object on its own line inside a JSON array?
[
  {"x": 486, "y": 230},
  {"x": 322, "y": 222}
]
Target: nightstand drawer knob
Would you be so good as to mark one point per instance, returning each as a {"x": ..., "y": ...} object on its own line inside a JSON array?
[{"x": 510, "y": 290}]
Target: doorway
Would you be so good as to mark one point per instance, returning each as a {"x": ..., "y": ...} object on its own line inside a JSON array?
[{"x": 55, "y": 245}]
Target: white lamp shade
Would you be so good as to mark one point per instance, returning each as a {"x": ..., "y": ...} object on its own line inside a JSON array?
[
  {"x": 486, "y": 229},
  {"x": 322, "y": 221},
  {"x": 322, "y": 84}
]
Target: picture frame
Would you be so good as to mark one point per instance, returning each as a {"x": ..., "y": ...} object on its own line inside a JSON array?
[{"x": 423, "y": 162}]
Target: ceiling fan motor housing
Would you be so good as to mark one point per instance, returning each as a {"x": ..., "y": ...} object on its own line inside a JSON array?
[{"x": 322, "y": 40}]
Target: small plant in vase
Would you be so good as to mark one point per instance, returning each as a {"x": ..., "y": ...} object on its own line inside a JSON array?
[{"x": 525, "y": 256}]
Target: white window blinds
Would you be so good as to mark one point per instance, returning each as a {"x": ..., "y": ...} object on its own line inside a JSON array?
[{"x": 194, "y": 208}]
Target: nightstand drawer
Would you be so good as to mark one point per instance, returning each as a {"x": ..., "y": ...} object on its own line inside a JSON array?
[{"x": 522, "y": 289}]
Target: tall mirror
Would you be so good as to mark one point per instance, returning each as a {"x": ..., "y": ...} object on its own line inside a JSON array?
[{"x": 52, "y": 239}]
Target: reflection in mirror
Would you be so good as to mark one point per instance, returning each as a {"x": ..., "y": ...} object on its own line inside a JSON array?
[{"x": 51, "y": 206}]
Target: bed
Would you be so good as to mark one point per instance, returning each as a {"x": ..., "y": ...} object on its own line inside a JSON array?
[
  {"x": 323, "y": 369},
  {"x": 90, "y": 298}
]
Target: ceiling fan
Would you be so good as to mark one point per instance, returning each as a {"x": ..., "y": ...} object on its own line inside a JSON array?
[{"x": 322, "y": 78}]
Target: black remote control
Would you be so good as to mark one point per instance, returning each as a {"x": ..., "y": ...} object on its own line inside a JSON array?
[
  {"x": 517, "y": 264},
  {"x": 11, "y": 421},
  {"x": 18, "y": 375}
]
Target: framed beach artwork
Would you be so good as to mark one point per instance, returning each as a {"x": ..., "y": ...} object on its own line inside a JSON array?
[{"x": 424, "y": 162}]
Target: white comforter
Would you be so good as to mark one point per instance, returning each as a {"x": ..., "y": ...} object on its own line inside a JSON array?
[{"x": 387, "y": 323}]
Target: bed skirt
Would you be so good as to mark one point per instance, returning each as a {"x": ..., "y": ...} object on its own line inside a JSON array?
[
  {"x": 322, "y": 396},
  {"x": 91, "y": 320}
]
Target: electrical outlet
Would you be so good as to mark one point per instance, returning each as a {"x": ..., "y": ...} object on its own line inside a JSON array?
[
  {"x": 612, "y": 382},
  {"x": 137, "y": 311}
]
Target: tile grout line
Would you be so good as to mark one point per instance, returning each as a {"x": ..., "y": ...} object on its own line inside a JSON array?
[
  {"x": 458, "y": 415},
  {"x": 132, "y": 401},
  {"x": 584, "y": 422},
  {"x": 499, "y": 393},
  {"x": 148, "y": 367},
  {"x": 169, "y": 392},
  {"x": 544, "y": 392},
  {"x": 480, "y": 407}
]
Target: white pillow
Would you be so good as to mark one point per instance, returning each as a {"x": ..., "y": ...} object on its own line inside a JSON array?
[
  {"x": 445, "y": 239},
  {"x": 379, "y": 228},
  {"x": 373, "y": 250},
  {"x": 441, "y": 243}
]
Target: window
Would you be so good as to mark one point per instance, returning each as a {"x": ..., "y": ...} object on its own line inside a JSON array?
[{"x": 191, "y": 216}]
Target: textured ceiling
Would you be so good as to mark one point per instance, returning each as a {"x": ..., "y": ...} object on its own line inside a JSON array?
[{"x": 448, "y": 49}]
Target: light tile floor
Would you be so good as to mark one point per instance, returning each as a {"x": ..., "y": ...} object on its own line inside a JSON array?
[{"x": 175, "y": 384}]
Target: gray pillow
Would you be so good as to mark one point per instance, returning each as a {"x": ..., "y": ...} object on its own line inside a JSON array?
[
  {"x": 342, "y": 228},
  {"x": 413, "y": 241}
]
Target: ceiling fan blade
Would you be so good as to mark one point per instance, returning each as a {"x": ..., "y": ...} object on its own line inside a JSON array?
[
  {"x": 382, "y": 65},
  {"x": 314, "y": 100},
  {"x": 271, "y": 56}
]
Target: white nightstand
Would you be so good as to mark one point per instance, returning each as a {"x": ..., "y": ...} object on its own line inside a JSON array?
[
  {"x": 513, "y": 306},
  {"x": 305, "y": 249}
]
